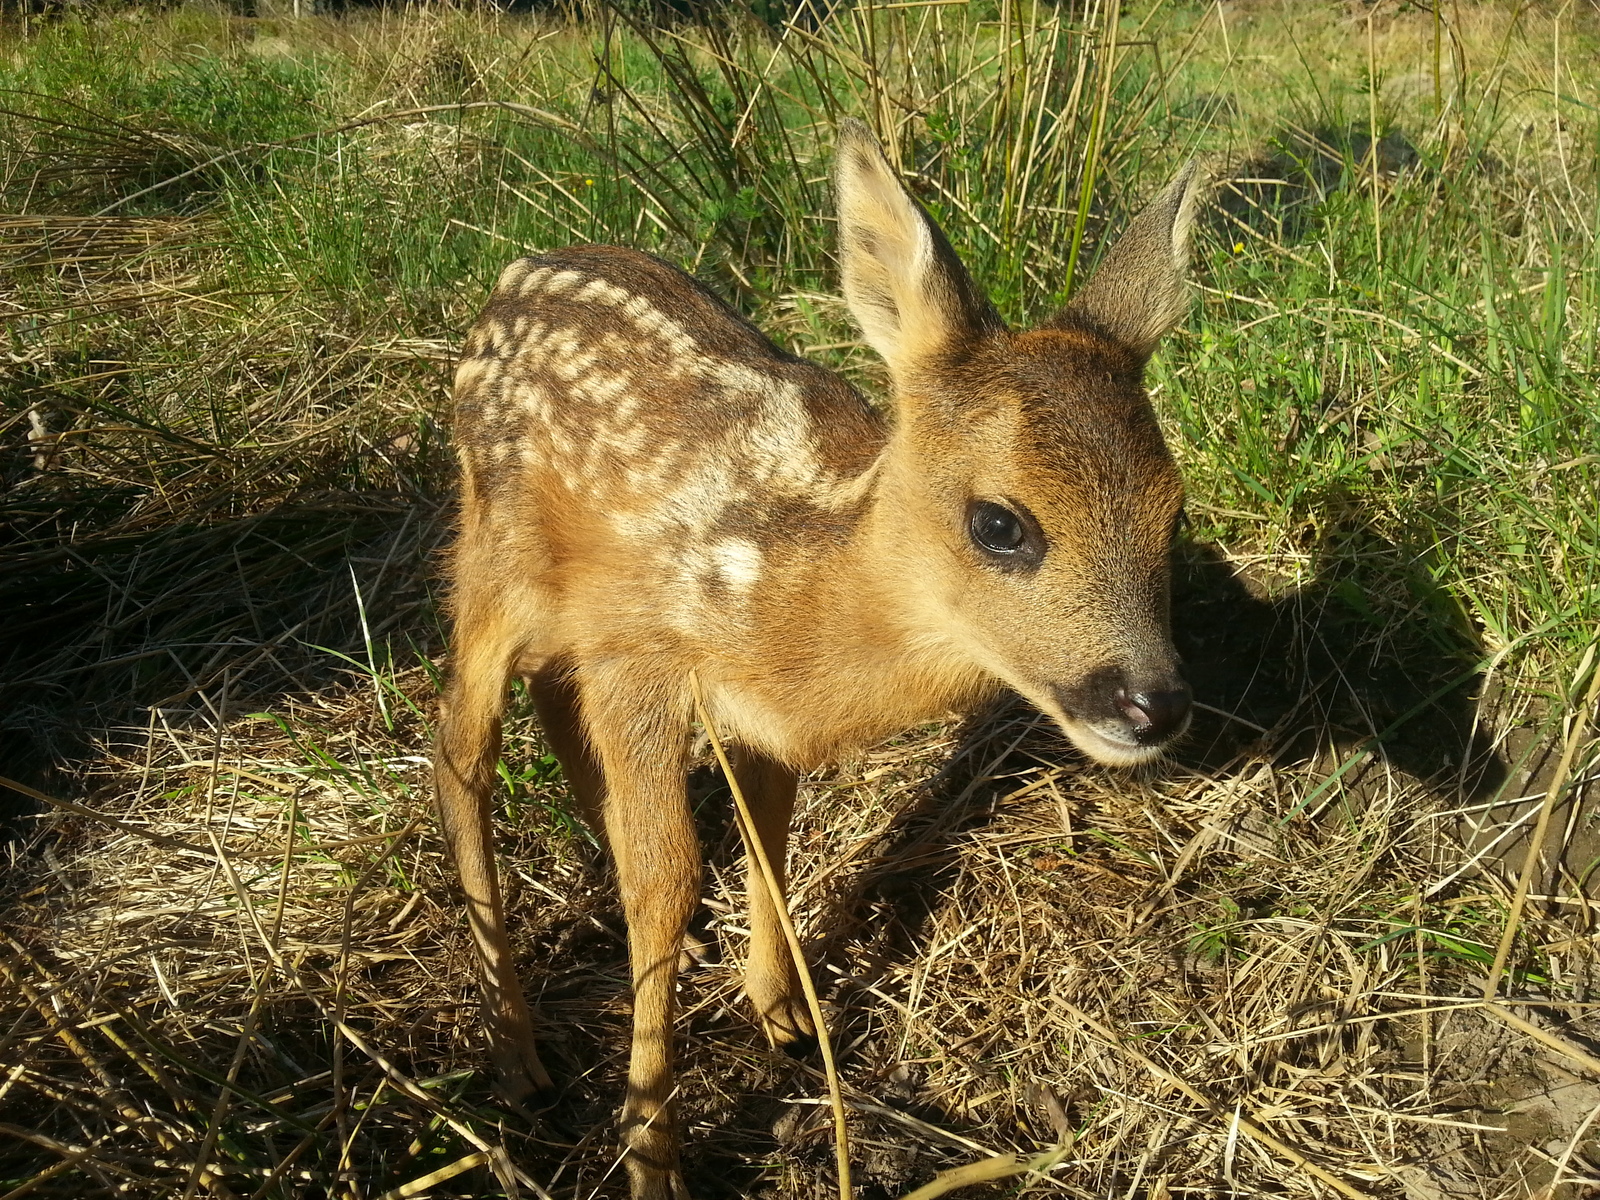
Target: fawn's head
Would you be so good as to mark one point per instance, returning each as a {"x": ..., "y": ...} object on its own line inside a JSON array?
[{"x": 1027, "y": 499}]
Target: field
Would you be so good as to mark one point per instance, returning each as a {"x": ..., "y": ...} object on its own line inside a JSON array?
[{"x": 1343, "y": 943}]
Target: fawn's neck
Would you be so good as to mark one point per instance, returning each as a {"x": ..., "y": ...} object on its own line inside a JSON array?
[{"x": 853, "y": 642}]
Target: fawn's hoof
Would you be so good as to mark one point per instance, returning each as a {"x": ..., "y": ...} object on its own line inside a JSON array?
[
  {"x": 658, "y": 1185},
  {"x": 649, "y": 1175},
  {"x": 788, "y": 1026},
  {"x": 803, "y": 1046},
  {"x": 523, "y": 1082}
]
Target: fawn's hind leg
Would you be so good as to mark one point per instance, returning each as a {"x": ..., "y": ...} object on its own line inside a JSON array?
[
  {"x": 771, "y": 979},
  {"x": 638, "y": 728},
  {"x": 555, "y": 696},
  {"x": 466, "y": 748}
]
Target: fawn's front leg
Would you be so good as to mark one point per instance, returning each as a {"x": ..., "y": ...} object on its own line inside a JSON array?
[
  {"x": 770, "y": 974},
  {"x": 465, "y": 751},
  {"x": 639, "y": 733}
]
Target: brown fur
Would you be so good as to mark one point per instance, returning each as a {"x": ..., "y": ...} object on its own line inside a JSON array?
[{"x": 650, "y": 487}]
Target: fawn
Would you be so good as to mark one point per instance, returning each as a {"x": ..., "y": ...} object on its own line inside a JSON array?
[{"x": 650, "y": 488}]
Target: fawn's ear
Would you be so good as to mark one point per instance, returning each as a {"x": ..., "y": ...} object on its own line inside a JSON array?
[
  {"x": 904, "y": 284},
  {"x": 1141, "y": 288}
]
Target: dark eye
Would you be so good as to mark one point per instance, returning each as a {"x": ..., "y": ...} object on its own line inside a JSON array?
[
  {"x": 1006, "y": 534},
  {"x": 996, "y": 528}
]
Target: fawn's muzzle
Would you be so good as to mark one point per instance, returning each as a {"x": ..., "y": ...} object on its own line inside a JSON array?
[
  {"x": 1155, "y": 715},
  {"x": 1128, "y": 715}
]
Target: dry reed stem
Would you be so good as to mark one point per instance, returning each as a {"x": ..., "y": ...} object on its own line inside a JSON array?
[
  {"x": 747, "y": 831},
  {"x": 1003, "y": 1166},
  {"x": 1562, "y": 1046},
  {"x": 102, "y": 818},
  {"x": 423, "y": 1184},
  {"x": 1579, "y": 721}
]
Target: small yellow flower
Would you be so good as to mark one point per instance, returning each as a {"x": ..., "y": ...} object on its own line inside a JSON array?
[
  {"x": 588, "y": 183},
  {"x": 1238, "y": 247}
]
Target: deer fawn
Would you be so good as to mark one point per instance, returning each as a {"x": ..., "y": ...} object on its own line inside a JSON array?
[{"x": 651, "y": 488}]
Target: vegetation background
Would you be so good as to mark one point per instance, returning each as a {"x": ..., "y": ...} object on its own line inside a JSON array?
[{"x": 1341, "y": 944}]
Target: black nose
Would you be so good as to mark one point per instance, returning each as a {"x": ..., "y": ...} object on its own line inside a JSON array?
[{"x": 1155, "y": 716}]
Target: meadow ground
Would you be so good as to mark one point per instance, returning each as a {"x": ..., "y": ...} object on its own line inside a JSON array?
[{"x": 1342, "y": 944}]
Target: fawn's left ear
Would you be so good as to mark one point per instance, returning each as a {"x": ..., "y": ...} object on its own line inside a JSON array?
[
  {"x": 904, "y": 284},
  {"x": 1141, "y": 289}
]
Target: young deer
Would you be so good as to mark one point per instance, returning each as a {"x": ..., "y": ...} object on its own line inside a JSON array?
[{"x": 651, "y": 488}]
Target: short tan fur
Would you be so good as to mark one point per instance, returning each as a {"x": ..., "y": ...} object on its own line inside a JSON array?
[{"x": 650, "y": 488}]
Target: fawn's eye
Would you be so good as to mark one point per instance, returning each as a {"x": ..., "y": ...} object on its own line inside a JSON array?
[
  {"x": 1009, "y": 539},
  {"x": 996, "y": 529}
]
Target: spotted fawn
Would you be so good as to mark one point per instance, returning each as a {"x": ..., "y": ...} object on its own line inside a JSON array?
[{"x": 650, "y": 489}]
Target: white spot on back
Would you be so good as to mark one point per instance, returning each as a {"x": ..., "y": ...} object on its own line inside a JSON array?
[
  {"x": 533, "y": 400},
  {"x": 570, "y": 363},
  {"x": 562, "y": 281},
  {"x": 602, "y": 292},
  {"x": 778, "y": 444},
  {"x": 739, "y": 562},
  {"x": 472, "y": 373},
  {"x": 651, "y": 320},
  {"x": 511, "y": 279},
  {"x": 535, "y": 280}
]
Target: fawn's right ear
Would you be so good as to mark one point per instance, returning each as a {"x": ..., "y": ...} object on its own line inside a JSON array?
[{"x": 904, "y": 284}]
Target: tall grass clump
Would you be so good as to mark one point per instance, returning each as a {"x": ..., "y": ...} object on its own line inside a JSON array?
[{"x": 1341, "y": 945}]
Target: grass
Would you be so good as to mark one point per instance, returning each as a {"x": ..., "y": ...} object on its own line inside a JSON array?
[{"x": 238, "y": 256}]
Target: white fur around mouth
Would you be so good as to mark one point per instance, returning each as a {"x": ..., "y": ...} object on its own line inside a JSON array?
[{"x": 1103, "y": 747}]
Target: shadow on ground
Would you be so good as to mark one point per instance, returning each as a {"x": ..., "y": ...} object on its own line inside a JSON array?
[{"x": 103, "y": 630}]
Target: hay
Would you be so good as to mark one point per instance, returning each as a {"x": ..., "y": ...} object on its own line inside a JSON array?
[{"x": 257, "y": 981}]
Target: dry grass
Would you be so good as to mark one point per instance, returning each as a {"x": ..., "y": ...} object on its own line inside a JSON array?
[{"x": 257, "y": 983}]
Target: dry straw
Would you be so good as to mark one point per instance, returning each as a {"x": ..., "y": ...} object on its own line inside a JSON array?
[
  {"x": 780, "y": 904},
  {"x": 1577, "y": 721}
]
